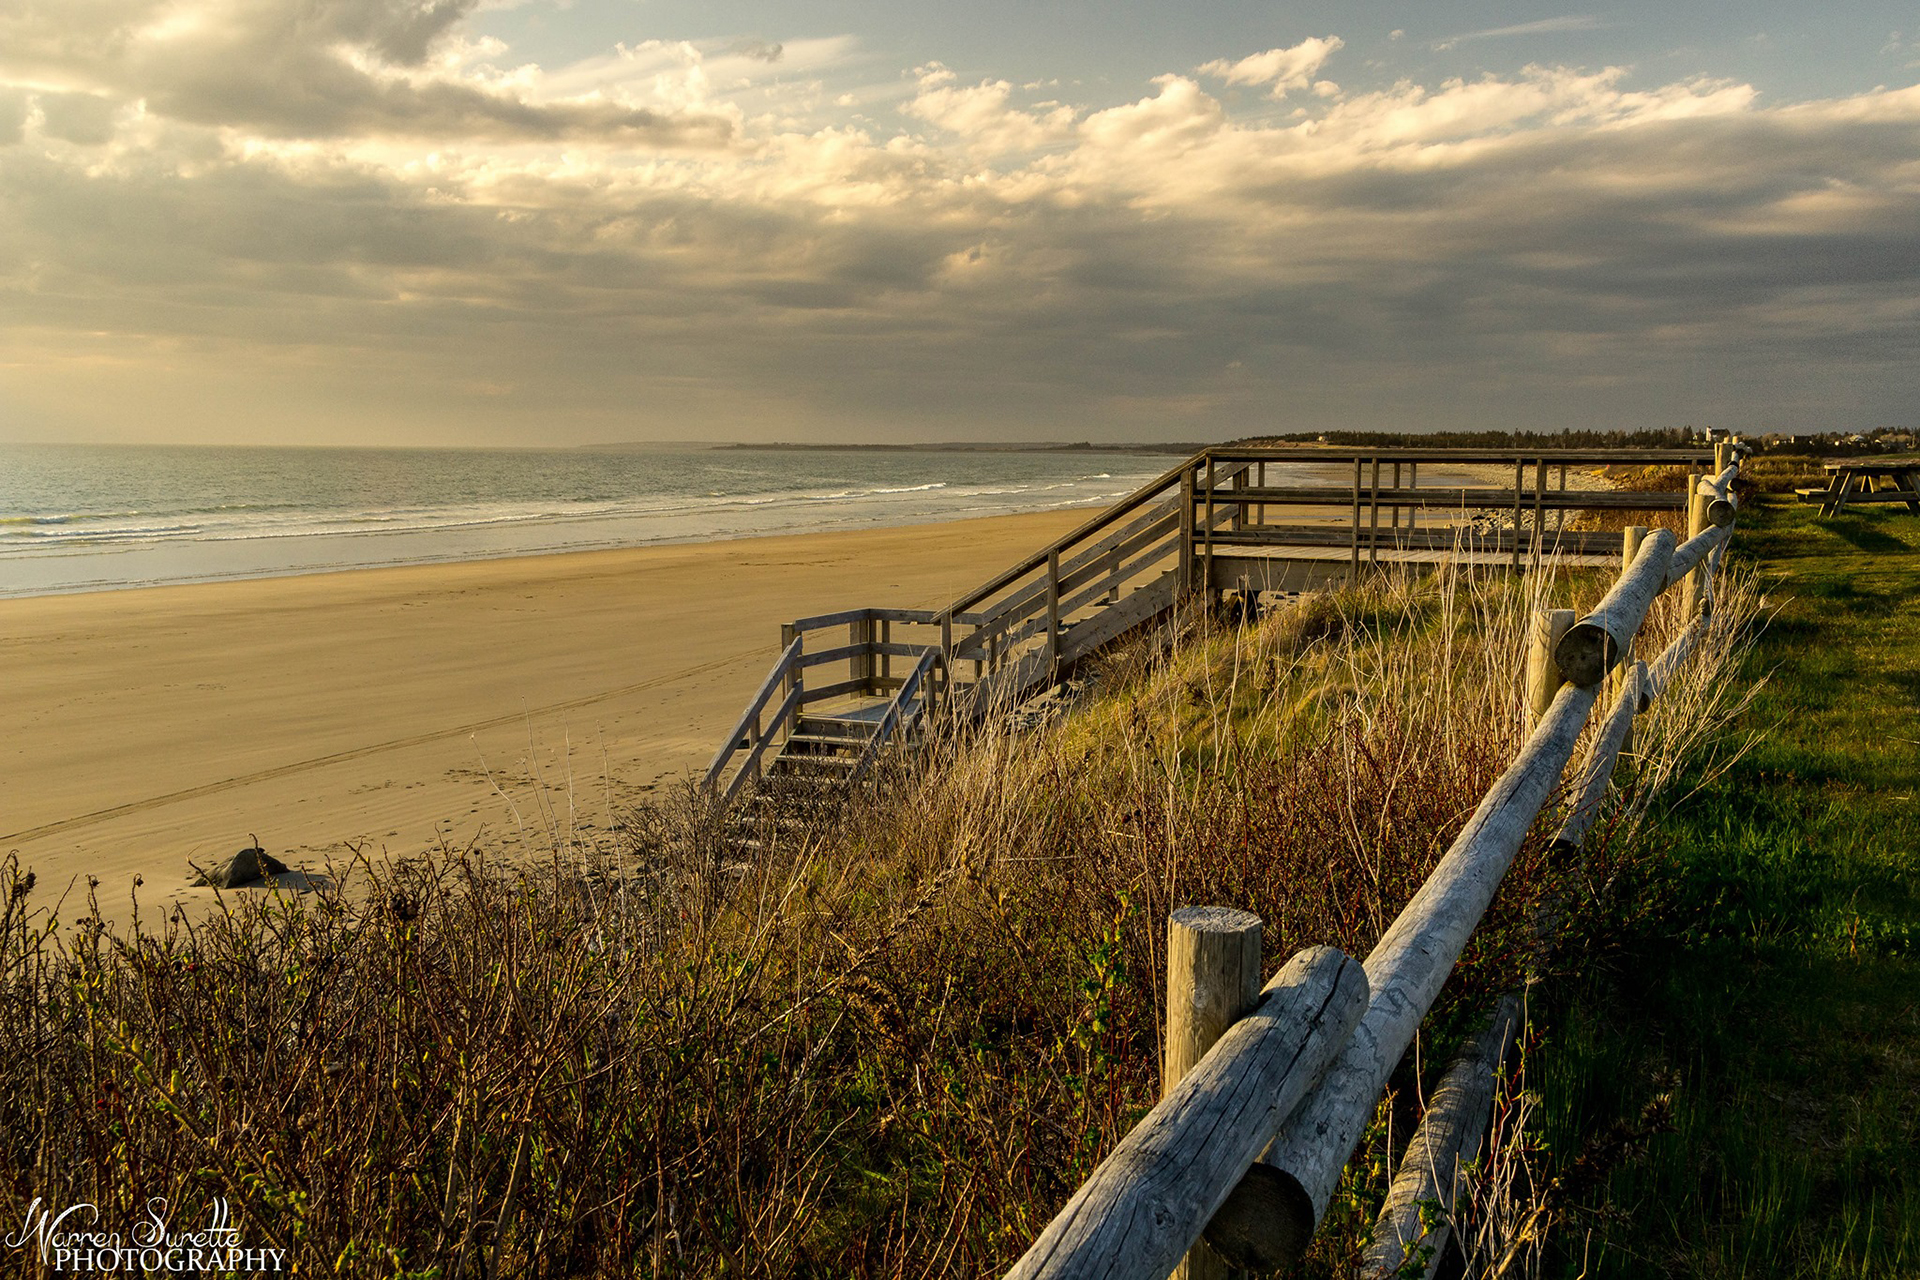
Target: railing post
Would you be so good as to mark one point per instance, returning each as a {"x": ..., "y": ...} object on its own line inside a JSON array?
[
  {"x": 1353, "y": 567},
  {"x": 1206, "y": 534},
  {"x": 1053, "y": 615},
  {"x": 1543, "y": 673},
  {"x": 788, "y": 634},
  {"x": 1184, "y": 583},
  {"x": 1519, "y": 478},
  {"x": 1539, "y": 542},
  {"x": 1413, "y": 513},
  {"x": 1213, "y": 980},
  {"x": 1373, "y": 519}
]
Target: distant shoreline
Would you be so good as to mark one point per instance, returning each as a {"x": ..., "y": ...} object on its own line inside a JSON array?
[{"x": 1171, "y": 448}]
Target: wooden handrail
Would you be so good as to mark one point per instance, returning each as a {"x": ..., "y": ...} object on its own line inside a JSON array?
[
  {"x": 1404, "y": 453},
  {"x": 781, "y": 668},
  {"x": 1144, "y": 494},
  {"x": 891, "y": 718},
  {"x": 788, "y": 708}
]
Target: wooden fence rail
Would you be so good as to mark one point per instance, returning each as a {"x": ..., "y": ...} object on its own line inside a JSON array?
[{"x": 1189, "y": 1171}]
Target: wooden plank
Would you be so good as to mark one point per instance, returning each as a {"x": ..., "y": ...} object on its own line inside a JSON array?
[
  {"x": 1437, "y": 538},
  {"x": 1053, "y": 610},
  {"x": 1404, "y": 973},
  {"x": 1141, "y": 606},
  {"x": 1469, "y": 498},
  {"x": 822, "y": 621},
  {"x": 1076, "y": 570},
  {"x": 1572, "y": 457},
  {"x": 864, "y": 649},
  {"x": 1152, "y": 556},
  {"x": 1186, "y": 532},
  {"x": 1145, "y": 1205},
  {"x": 1519, "y": 473},
  {"x": 833, "y": 691}
]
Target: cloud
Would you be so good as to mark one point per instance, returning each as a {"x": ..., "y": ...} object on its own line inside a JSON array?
[
  {"x": 983, "y": 114},
  {"x": 1545, "y": 26},
  {"x": 1285, "y": 69},
  {"x": 320, "y": 69},
  {"x": 1544, "y": 246},
  {"x": 758, "y": 50}
]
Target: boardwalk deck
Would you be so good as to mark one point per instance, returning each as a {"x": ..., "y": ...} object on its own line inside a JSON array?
[{"x": 1203, "y": 528}]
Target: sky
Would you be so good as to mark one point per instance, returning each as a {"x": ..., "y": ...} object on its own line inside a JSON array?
[{"x": 520, "y": 222}]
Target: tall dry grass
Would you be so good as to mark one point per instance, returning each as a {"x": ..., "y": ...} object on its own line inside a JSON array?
[{"x": 890, "y": 1042}]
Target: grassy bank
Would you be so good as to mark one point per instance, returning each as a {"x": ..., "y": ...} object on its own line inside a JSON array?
[
  {"x": 1771, "y": 984},
  {"x": 888, "y": 1044}
]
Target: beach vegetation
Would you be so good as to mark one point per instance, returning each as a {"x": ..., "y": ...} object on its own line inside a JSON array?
[{"x": 886, "y": 1039}]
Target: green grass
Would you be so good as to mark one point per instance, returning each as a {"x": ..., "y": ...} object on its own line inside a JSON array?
[{"x": 1775, "y": 987}]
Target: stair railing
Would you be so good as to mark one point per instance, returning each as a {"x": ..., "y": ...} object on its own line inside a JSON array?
[
  {"x": 908, "y": 704},
  {"x": 752, "y": 733}
]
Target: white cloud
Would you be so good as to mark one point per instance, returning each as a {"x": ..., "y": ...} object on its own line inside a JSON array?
[
  {"x": 1284, "y": 69},
  {"x": 1545, "y": 26},
  {"x": 983, "y": 115}
]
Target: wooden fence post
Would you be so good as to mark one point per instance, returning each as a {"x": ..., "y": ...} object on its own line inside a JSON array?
[
  {"x": 1543, "y": 673},
  {"x": 1213, "y": 979},
  {"x": 1696, "y": 525},
  {"x": 1630, "y": 541}
]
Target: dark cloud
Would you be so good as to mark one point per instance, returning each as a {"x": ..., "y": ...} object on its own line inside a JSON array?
[
  {"x": 83, "y": 118},
  {"x": 759, "y": 50},
  {"x": 13, "y": 115},
  {"x": 312, "y": 69}
]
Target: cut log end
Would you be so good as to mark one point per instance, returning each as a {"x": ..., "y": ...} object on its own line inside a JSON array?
[
  {"x": 1266, "y": 1223},
  {"x": 1585, "y": 654}
]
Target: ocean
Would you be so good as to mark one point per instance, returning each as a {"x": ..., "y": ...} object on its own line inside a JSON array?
[{"x": 106, "y": 517}]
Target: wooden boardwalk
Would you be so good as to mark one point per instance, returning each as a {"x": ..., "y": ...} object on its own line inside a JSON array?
[{"x": 1226, "y": 521}]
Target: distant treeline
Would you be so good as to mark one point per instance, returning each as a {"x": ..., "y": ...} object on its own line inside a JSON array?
[{"x": 1815, "y": 444}]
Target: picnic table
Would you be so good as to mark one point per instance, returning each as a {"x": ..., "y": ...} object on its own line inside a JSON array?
[{"x": 1856, "y": 480}]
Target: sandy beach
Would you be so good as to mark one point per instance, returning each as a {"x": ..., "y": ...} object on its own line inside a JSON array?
[{"x": 398, "y": 709}]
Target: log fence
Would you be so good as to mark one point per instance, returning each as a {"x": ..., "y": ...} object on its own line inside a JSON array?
[{"x": 1236, "y": 1166}]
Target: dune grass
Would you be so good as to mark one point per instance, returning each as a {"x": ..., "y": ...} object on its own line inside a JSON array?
[
  {"x": 887, "y": 1044},
  {"x": 1773, "y": 991}
]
